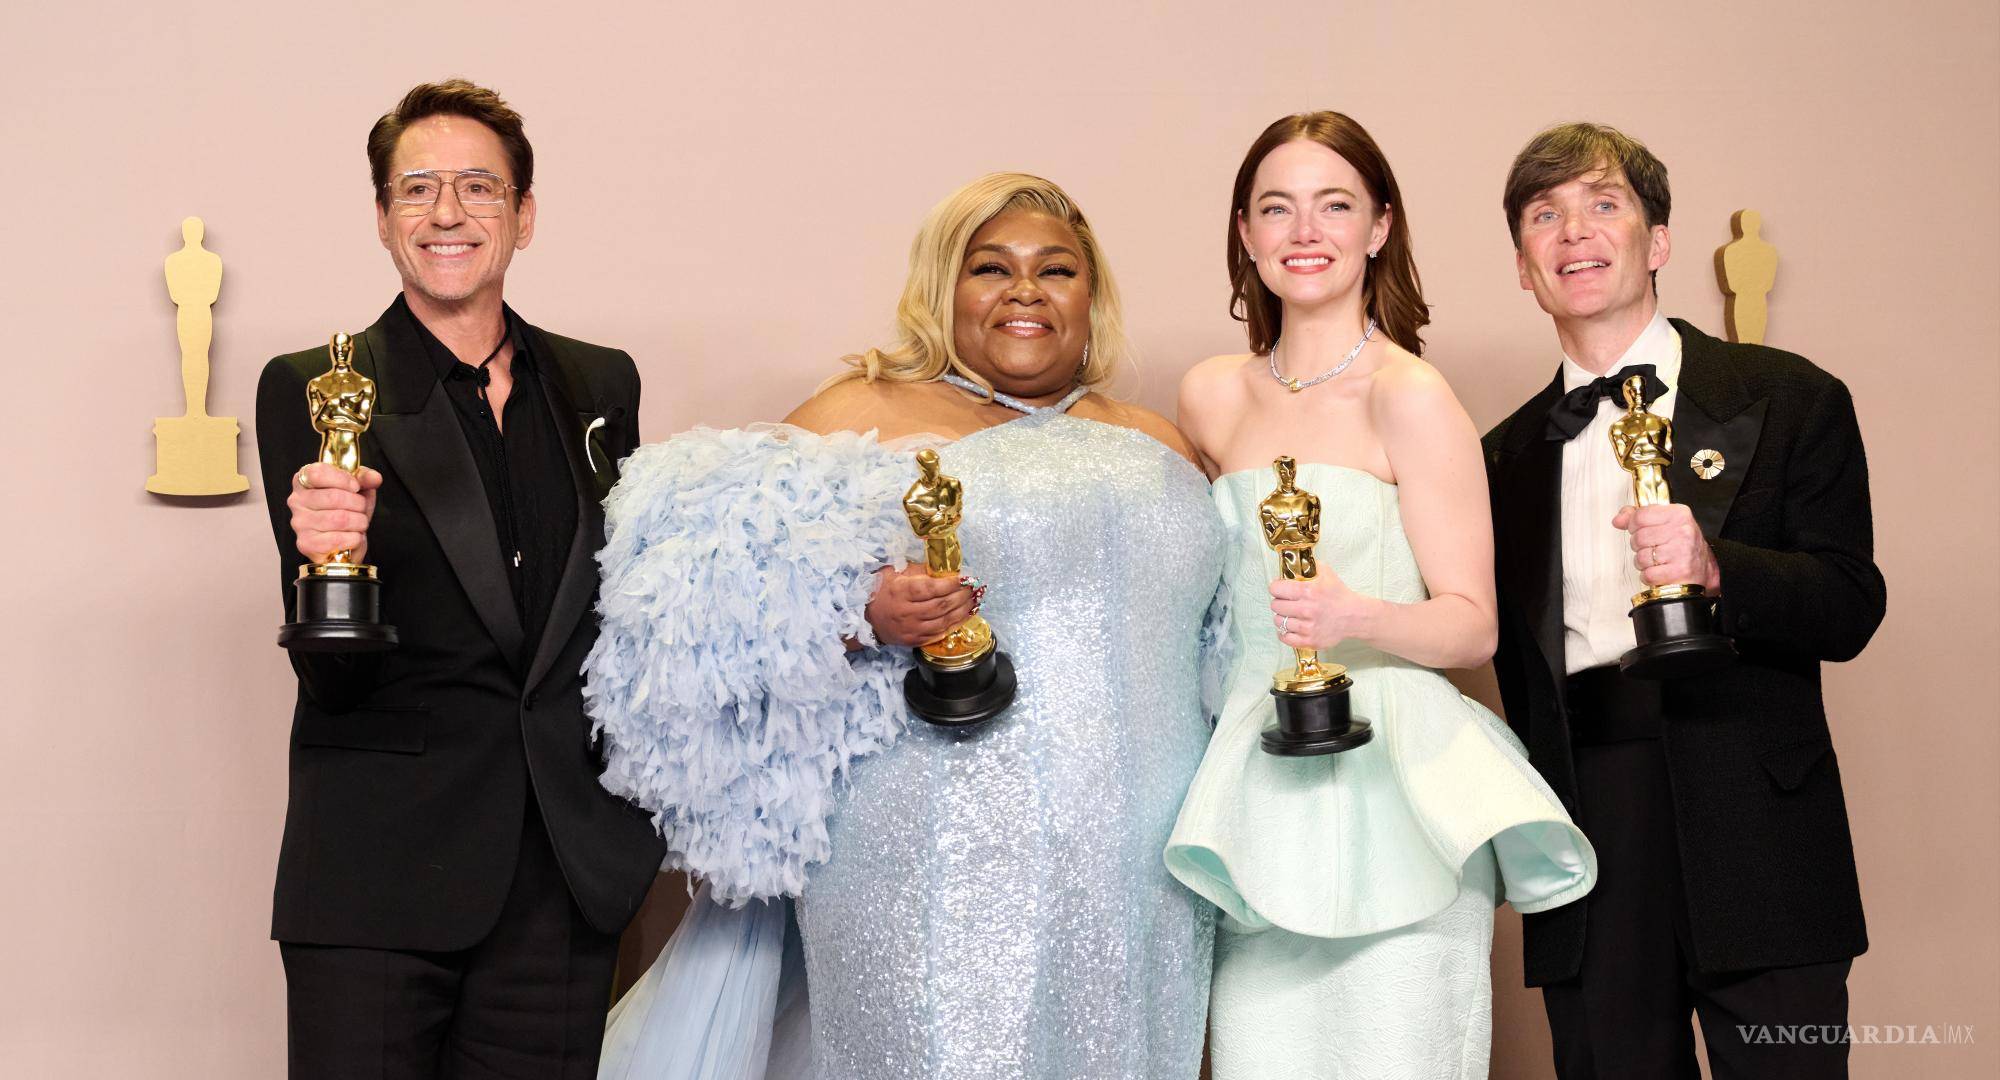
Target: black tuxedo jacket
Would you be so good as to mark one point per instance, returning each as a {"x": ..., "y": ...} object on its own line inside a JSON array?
[
  {"x": 410, "y": 770},
  {"x": 1765, "y": 852}
]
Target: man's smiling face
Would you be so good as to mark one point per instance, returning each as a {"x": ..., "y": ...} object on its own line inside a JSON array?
[
  {"x": 448, "y": 255},
  {"x": 1586, "y": 251}
]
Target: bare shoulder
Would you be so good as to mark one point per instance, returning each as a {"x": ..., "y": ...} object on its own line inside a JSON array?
[
  {"x": 1408, "y": 390},
  {"x": 849, "y": 405},
  {"x": 1146, "y": 421},
  {"x": 1217, "y": 376},
  {"x": 1217, "y": 371},
  {"x": 1212, "y": 388}
]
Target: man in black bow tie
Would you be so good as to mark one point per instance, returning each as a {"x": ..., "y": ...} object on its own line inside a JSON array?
[
  {"x": 453, "y": 879},
  {"x": 1727, "y": 886}
]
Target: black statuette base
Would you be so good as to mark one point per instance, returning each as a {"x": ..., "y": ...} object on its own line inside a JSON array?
[
  {"x": 1677, "y": 638},
  {"x": 337, "y": 615},
  {"x": 960, "y": 697},
  {"x": 1317, "y": 723}
]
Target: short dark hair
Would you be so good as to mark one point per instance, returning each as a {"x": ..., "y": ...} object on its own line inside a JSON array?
[
  {"x": 1567, "y": 151},
  {"x": 452, "y": 97}
]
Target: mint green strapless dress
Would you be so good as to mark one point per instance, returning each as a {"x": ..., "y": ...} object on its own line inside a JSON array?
[{"x": 1358, "y": 889}]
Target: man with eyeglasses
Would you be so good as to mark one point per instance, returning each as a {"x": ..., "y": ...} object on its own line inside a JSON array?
[{"x": 452, "y": 879}]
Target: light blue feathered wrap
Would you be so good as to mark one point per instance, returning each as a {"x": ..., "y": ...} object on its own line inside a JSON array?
[{"x": 734, "y": 564}]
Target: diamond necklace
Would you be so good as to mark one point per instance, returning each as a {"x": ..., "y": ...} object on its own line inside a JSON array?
[{"x": 1295, "y": 385}]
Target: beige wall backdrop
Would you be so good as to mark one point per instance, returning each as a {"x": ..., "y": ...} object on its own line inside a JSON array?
[{"x": 730, "y": 194}]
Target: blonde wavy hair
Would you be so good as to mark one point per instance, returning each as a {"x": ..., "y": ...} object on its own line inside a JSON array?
[{"x": 923, "y": 350}]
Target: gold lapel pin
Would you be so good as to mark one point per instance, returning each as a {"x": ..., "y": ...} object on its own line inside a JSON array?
[{"x": 1706, "y": 464}]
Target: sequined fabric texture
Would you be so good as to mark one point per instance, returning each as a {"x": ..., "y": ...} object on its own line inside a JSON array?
[{"x": 995, "y": 905}]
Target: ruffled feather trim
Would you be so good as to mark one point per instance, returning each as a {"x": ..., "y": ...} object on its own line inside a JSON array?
[{"x": 734, "y": 564}]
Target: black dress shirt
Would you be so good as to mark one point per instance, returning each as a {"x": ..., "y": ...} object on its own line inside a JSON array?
[{"x": 521, "y": 464}]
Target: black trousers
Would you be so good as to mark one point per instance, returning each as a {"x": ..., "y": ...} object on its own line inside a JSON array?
[
  {"x": 1626, "y": 1015},
  {"x": 527, "y": 1002}
]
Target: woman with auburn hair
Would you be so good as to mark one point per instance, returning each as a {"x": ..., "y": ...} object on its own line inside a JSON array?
[
  {"x": 1357, "y": 890},
  {"x": 984, "y": 901}
]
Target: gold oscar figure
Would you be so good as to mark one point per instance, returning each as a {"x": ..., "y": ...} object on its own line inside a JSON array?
[
  {"x": 935, "y": 504},
  {"x": 1674, "y": 624},
  {"x": 1314, "y": 715},
  {"x": 339, "y": 600},
  {"x": 1644, "y": 443},
  {"x": 961, "y": 678},
  {"x": 1747, "y": 267},
  {"x": 195, "y": 453}
]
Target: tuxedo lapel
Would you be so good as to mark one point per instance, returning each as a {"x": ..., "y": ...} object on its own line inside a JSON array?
[
  {"x": 1712, "y": 412},
  {"x": 564, "y": 394},
  {"x": 600, "y": 463},
  {"x": 1529, "y": 532},
  {"x": 420, "y": 436}
]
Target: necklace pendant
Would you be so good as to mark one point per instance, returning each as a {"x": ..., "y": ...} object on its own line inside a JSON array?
[{"x": 1333, "y": 372}]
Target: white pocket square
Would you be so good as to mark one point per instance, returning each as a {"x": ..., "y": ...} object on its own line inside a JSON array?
[{"x": 587, "y": 454}]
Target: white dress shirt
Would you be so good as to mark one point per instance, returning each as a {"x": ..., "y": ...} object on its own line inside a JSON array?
[{"x": 1598, "y": 575}]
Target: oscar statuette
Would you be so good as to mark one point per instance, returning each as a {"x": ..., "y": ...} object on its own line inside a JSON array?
[
  {"x": 961, "y": 678},
  {"x": 339, "y": 601},
  {"x": 1314, "y": 714},
  {"x": 195, "y": 452},
  {"x": 1674, "y": 624}
]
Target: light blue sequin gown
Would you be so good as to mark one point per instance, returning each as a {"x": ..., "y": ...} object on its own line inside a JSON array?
[
  {"x": 1358, "y": 888},
  {"x": 995, "y": 906},
  {"x": 986, "y": 904}
]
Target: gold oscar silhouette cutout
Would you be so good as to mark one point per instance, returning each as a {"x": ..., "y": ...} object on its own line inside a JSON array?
[
  {"x": 961, "y": 678},
  {"x": 1314, "y": 714},
  {"x": 1746, "y": 267},
  {"x": 1673, "y": 624},
  {"x": 195, "y": 453}
]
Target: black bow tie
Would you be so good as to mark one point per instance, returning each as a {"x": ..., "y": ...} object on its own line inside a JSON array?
[{"x": 1575, "y": 410}]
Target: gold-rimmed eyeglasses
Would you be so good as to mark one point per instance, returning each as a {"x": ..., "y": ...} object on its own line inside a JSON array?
[{"x": 481, "y": 193}]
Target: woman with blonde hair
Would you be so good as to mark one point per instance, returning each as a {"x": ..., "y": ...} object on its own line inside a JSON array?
[
  {"x": 1357, "y": 889},
  {"x": 983, "y": 901}
]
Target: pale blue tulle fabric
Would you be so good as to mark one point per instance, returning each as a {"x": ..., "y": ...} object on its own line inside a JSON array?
[
  {"x": 736, "y": 562},
  {"x": 708, "y": 1007}
]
